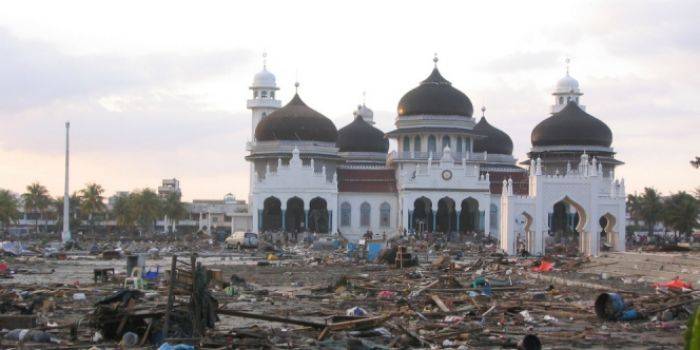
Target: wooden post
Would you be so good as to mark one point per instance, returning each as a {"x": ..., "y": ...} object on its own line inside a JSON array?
[
  {"x": 171, "y": 297},
  {"x": 195, "y": 300}
]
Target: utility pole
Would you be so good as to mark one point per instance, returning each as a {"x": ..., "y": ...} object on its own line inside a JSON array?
[{"x": 65, "y": 235}]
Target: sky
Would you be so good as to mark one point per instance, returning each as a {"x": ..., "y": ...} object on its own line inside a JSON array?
[{"x": 158, "y": 89}]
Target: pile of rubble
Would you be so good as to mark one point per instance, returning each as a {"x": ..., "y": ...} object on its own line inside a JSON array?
[{"x": 410, "y": 295}]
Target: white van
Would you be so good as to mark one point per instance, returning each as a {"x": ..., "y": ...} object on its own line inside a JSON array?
[{"x": 242, "y": 239}]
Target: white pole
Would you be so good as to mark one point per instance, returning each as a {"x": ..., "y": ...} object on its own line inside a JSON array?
[{"x": 65, "y": 235}]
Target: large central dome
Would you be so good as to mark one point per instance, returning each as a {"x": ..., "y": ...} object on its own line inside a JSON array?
[
  {"x": 359, "y": 136},
  {"x": 296, "y": 122},
  {"x": 571, "y": 126},
  {"x": 435, "y": 96}
]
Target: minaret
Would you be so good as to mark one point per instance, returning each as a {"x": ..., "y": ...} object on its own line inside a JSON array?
[
  {"x": 567, "y": 90},
  {"x": 65, "y": 235},
  {"x": 261, "y": 105},
  {"x": 263, "y": 102}
]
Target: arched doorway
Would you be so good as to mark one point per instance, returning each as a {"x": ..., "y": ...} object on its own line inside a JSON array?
[
  {"x": 607, "y": 234},
  {"x": 272, "y": 214},
  {"x": 318, "y": 215},
  {"x": 446, "y": 215},
  {"x": 294, "y": 216},
  {"x": 566, "y": 223},
  {"x": 423, "y": 215},
  {"x": 524, "y": 236},
  {"x": 469, "y": 216}
]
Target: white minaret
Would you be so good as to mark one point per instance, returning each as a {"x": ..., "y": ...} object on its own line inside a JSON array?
[
  {"x": 65, "y": 235},
  {"x": 261, "y": 105},
  {"x": 567, "y": 89},
  {"x": 263, "y": 102}
]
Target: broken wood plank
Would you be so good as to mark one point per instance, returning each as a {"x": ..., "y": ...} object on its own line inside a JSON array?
[
  {"x": 440, "y": 304},
  {"x": 271, "y": 318}
]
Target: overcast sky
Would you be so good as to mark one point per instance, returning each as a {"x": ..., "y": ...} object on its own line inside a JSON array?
[{"x": 157, "y": 89}]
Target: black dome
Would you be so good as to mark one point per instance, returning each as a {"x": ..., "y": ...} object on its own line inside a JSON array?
[
  {"x": 496, "y": 141},
  {"x": 360, "y": 136},
  {"x": 571, "y": 126},
  {"x": 435, "y": 95},
  {"x": 296, "y": 122}
]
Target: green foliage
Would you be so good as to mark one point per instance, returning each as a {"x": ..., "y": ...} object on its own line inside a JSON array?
[
  {"x": 36, "y": 200},
  {"x": 173, "y": 207},
  {"x": 9, "y": 208},
  {"x": 681, "y": 213},
  {"x": 92, "y": 202},
  {"x": 692, "y": 334},
  {"x": 647, "y": 207}
]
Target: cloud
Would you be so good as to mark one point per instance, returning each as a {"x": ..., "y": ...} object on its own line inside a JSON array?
[
  {"x": 523, "y": 61},
  {"x": 34, "y": 73}
]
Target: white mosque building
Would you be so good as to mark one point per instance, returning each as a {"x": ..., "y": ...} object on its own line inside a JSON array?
[{"x": 451, "y": 172}]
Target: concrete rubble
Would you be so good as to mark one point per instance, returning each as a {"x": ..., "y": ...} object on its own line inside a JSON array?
[{"x": 328, "y": 295}]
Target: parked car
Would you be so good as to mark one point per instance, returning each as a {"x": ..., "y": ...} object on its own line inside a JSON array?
[{"x": 241, "y": 239}]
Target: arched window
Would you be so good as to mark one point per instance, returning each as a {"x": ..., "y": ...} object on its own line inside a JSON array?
[
  {"x": 385, "y": 215},
  {"x": 458, "y": 147},
  {"x": 467, "y": 145},
  {"x": 263, "y": 94},
  {"x": 345, "y": 212},
  {"x": 416, "y": 144},
  {"x": 561, "y": 100},
  {"x": 272, "y": 94},
  {"x": 432, "y": 144},
  {"x": 406, "y": 144},
  {"x": 365, "y": 212},
  {"x": 264, "y": 114},
  {"x": 255, "y": 94},
  {"x": 445, "y": 142}
]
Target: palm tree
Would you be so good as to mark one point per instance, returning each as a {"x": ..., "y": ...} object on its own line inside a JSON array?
[
  {"x": 92, "y": 202},
  {"x": 148, "y": 208},
  {"x": 174, "y": 209},
  {"x": 647, "y": 207},
  {"x": 681, "y": 213},
  {"x": 124, "y": 211},
  {"x": 36, "y": 200},
  {"x": 74, "y": 209},
  {"x": 9, "y": 209}
]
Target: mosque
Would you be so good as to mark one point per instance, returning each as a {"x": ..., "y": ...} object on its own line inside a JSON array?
[{"x": 451, "y": 172}]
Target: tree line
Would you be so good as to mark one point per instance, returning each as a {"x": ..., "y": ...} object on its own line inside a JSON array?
[
  {"x": 678, "y": 212},
  {"x": 137, "y": 210}
]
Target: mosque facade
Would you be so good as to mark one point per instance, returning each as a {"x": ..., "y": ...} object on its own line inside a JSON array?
[{"x": 450, "y": 173}]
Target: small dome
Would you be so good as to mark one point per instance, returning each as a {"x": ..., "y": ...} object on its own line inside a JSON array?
[
  {"x": 571, "y": 126},
  {"x": 365, "y": 113},
  {"x": 296, "y": 122},
  {"x": 360, "y": 136},
  {"x": 264, "y": 79},
  {"x": 435, "y": 96},
  {"x": 567, "y": 84},
  {"x": 496, "y": 141}
]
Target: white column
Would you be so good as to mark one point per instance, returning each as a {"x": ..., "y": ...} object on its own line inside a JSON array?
[{"x": 66, "y": 235}]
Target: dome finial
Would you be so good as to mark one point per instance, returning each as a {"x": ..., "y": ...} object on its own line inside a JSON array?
[
  {"x": 568, "y": 60},
  {"x": 264, "y": 59},
  {"x": 364, "y": 98},
  {"x": 435, "y": 59},
  {"x": 483, "y": 111},
  {"x": 296, "y": 87}
]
